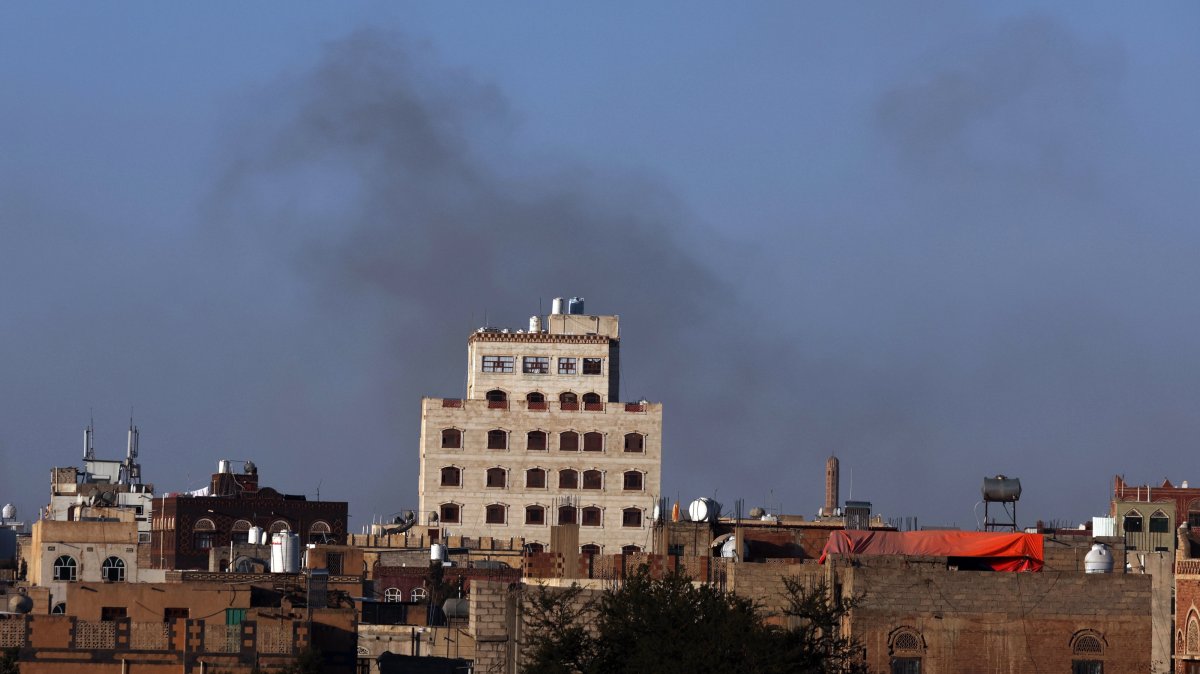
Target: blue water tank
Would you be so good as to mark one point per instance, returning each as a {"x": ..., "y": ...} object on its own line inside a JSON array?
[{"x": 575, "y": 305}]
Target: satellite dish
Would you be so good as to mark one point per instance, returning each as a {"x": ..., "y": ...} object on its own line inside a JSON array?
[{"x": 433, "y": 517}]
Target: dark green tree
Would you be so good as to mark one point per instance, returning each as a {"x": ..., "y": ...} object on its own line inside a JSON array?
[
  {"x": 671, "y": 625},
  {"x": 9, "y": 661}
]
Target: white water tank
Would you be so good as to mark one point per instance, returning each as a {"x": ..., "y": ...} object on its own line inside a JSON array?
[
  {"x": 254, "y": 537},
  {"x": 223, "y": 466},
  {"x": 285, "y": 553},
  {"x": 437, "y": 552},
  {"x": 535, "y": 324},
  {"x": 556, "y": 305},
  {"x": 8, "y": 512},
  {"x": 1098, "y": 560},
  {"x": 704, "y": 510}
]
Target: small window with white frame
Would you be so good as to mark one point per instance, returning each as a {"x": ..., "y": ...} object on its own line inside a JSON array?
[{"x": 568, "y": 365}]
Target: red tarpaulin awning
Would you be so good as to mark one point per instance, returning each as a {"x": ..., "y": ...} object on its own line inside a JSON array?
[{"x": 1000, "y": 552}]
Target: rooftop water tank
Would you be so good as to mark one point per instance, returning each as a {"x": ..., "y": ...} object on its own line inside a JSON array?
[
  {"x": 254, "y": 537},
  {"x": 704, "y": 510},
  {"x": 556, "y": 305},
  {"x": 8, "y": 512},
  {"x": 437, "y": 552},
  {"x": 1104, "y": 526},
  {"x": 1098, "y": 560},
  {"x": 1001, "y": 489},
  {"x": 575, "y": 305}
]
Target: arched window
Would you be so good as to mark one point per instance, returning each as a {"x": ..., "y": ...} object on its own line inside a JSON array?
[
  {"x": 568, "y": 441},
  {"x": 590, "y": 549},
  {"x": 593, "y": 479},
  {"x": 568, "y": 398},
  {"x": 535, "y": 440},
  {"x": 631, "y": 549},
  {"x": 591, "y": 516},
  {"x": 906, "y": 648},
  {"x": 241, "y": 526},
  {"x": 279, "y": 526},
  {"x": 635, "y": 442},
  {"x": 496, "y": 513},
  {"x": 451, "y": 476},
  {"x": 566, "y": 514},
  {"x": 631, "y": 517},
  {"x": 534, "y": 548},
  {"x": 1087, "y": 644},
  {"x": 113, "y": 570},
  {"x": 593, "y": 442},
  {"x": 568, "y": 479},
  {"x": 320, "y": 532},
  {"x": 535, "y": 515},
  {"x": 1133, "y": 521},
  {"x": 1193, "y": 635},
  {"x": 497, "y": 396},
  {"x": 419, "y": 594},
  {"x": 204, "y": 534},
  {"x": 535, "y": 478},
  {"x": 536, "y": 398},
  {"x": 497, "y": 439},
  {"x": 59, "y": 609},
  {"x": 65, "y": 568},
  {"x": 497, "y": 478},
  {"x": 590, "y": 399},
  {"x": 633, "y": 480},
  {"x": 451, "y": 438},
  {"x": 450, "y": 513},
  {"x": 1160, "y": 523},
  {"x": 393, "y": 595}
]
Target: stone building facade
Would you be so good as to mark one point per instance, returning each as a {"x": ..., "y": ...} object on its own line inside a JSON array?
[{"x": 541, "y": 439}]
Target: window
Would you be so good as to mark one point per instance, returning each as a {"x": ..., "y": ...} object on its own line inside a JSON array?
[
  {"x": 450, "y": 513},
  {"x": 334, "y": 563},
  {"x": 59, "y": 609},
  {"x": 451, "y": 476},
  {"x": 907, "y": 648},
  {"x": 495, "y": 514},
  {"x": 502, "y": 364},
  {"x": 535, "y": 365},
  {"x": 535, "y": 514},
  {"x": 241, "y": 526},
  {"x": 593, "y": 365},
  {"x": 173, "y": 614},
  {"x": 65, "y": 568},
  {"x": 1133, "y": 521},
  {"x": 906, "y": 665},
  {"x": 590, "y": 517},
  {"x": 590, "y": 400},
  {"x": 631, "y": 549},
  {"x": 590, "y": 549},
  {"x": 1159, "y": 523},
  {"x": 535, "y": 401},
  {"x": 568, "y": 401},
  {"x": 451, "y": 438},
  {"x": 1194, "y": 520},
  {"x": 497, "y": 439},
  {"x": 393, "y": 595},
  {"x": 497, "y": 399},
  {"x": 567, "y": 365},
  {"x": 593, "y": 479},
  {"x": 203, "y": 534},
  {"x": 566, "y": 514},
  {"x": 568, "y": 479},
  {"x": 111, "y": 613},
  {"x": 497, "y": 478},
  {"x": 279, "y": 526},
  {"x": 113, "y": 570},
  {"x": 320, "y": 532},
  {"x": 593, "y": 442},
  {"x": 568, "y": 441},
  {"x": 419, "y": 593},
  {"x": 1086, "y": 667},
  {"x": 534, "y": 548},
  {"x": 535, "y": 478},
  {"x": 631, "y": 517},
  {"x": 633, "y": 480},
  {"x": 635, "y": 442},
  {"x": 535, "y": 440}
]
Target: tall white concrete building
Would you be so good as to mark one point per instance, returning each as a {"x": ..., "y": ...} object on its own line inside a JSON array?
[{"x": 541, "y": 439}]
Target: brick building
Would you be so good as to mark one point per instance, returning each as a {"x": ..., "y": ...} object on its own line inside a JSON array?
[
  {"x": 541, "y": 439},
  {"x": 187, "y": 528}
]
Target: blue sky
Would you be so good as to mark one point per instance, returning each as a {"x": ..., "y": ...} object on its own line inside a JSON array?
[{"x": 943, "y": 240}]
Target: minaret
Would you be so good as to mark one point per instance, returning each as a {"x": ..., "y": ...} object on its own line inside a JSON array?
[{"x": 831, "y": 486}]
